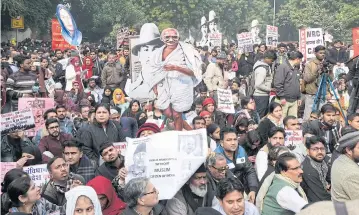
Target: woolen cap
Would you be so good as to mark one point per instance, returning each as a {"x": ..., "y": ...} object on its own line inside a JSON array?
[
  {"x": 208, "y": 101},
  {"x": 148, "y": 127},
  {"x": 204, "y": 113},
  {"x": 201, "y": 169},
  {"x": 348, "y": 140}
]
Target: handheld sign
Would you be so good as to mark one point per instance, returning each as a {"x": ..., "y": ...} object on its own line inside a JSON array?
[
  {"x": 225, "y": 101},
  {"x": 17, "y": 120},
  {"x": 68, "y": 26}
]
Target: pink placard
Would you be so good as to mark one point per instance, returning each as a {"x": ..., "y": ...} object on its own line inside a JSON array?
[{"x": 6, "y": 167}]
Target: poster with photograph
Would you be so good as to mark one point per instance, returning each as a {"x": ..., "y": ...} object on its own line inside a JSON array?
[
  {"x": 245, "y": 42},
  {"x": 38, "y": 107},
  {"x": 225, "y": 101},
  {"x": 294, "y": 140},
  {"x": 50, "y": 85},
  {"x": 17, "y": 120},
  {"x": 135, "y": 63},
  {"x": 214, "y": 39},
  {"x": 272, "y": 36},
  {"x": 170, "y": 169},
  {"x": 309, "y": 38}
]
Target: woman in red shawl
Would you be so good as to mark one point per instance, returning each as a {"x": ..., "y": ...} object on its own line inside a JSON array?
[
  {"x": 88, "y": 65},
  {"x": 110, "y": 203}
]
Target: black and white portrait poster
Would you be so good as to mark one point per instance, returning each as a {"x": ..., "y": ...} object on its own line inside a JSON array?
[{"x": 169, "y": 159}]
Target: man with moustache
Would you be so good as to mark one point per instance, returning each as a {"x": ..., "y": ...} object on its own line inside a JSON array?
[
  {"x": 345, "y": 169},
  {"x": 175, "y": 71},
  {"x": 316, "y": 177},
  {"x": 61, "y": 181},
  {"x": 114, "y": 162},
  {"x": 50, "y": 145},
  {"x": 191, "y": 196},
  {"x": 325, "y": 127},
  {"x": 285, "y": 195}
]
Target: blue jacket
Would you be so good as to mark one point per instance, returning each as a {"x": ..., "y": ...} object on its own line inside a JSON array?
[{"x": 242, "y": 168}]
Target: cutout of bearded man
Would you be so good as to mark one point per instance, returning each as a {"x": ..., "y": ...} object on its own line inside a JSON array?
[{"x": 175, "y": 71}]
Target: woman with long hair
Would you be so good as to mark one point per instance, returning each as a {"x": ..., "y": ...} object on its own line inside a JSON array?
[
  {"x": 133, "y": 109},
  {"x": 273, "y": 119}
]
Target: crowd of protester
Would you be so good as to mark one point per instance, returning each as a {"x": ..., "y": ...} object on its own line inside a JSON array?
[{"x": 249, "y": 169}]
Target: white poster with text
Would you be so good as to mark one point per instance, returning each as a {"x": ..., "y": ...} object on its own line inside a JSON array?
[
  {"x": 245, "y": 42},
  {"x": 225, "y": 101},
  {"x": 272, "y": 36},
  {"x": 309, "y": 38}
]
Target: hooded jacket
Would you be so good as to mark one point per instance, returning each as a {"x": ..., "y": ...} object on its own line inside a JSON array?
[{"x": 103, "y": 186}]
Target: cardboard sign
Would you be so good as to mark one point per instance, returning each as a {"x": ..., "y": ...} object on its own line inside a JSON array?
[
  {"x": 38, "y": 174},
  {"x": 272, "y": 36},
  {"x": 245, "y": 42},
  {"x": 50, "y": 85},
  {"x": 38, "y": 106},
  {"x": 214, "y": 39},
  {"x": 58, "y": 41},
  {"x": 170, "y": 169},
  {"x": 17, "y": 120},
  {"x": 309, "y": 38},
  {"x": 121, "y": 35},
  {"x": 225, "y": 101}
]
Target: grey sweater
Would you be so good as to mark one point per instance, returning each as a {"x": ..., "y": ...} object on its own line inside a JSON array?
[{"x": 263, "y": 79}]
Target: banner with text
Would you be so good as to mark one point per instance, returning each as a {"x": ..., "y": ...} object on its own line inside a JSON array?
[
  {"x": 225, "y": 101},
  {"x": 17, "y": 120},
  {"x": 58, "y": 41},
  {"x": 214, "y": 39},
  {"x": 355, "y": 32},
  {"x": 272, "y": 36},
  {"x": 309, "y": 38},
  {"x": 38, "y": 106},
  {"x": 50, "y": 85},
  {"x": 294, "y": 141},
  {"x": 38, "y": 174},
  {"x": 170, "y": 169},
  {"x": 245, "y": 42}
]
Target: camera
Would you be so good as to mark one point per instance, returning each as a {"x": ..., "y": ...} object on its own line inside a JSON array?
[{"x": 326, "y": 67}]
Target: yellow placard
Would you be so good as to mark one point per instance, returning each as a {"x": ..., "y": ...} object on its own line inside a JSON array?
[{"x": 17, "y": 22}]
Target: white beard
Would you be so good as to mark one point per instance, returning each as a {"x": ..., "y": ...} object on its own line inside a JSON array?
[{"x": 198, "y": 191}]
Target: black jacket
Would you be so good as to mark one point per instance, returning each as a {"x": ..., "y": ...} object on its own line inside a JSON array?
[
  {"x": 311, "y": 183},
  {"x": 286, "y": 82},
  {"x": 264, "y": 127},
  {"x": 317, "y": 128},
  {"x": 245, "y": 65},
  {"x": 337, "y": 56},
  {"x": 108, "y": 170},
  {"x": 94, "y": 135}
]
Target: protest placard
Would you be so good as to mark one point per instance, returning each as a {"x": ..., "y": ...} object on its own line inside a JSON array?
[
  {"x": 38, "y": 106},
  {"x": 225, "y": 101},
  {"x": 121, "y": 146},
  {"x": 50, "y": 85},
  {"x": 272, "y": 36},
  {"x": 58, "y": 41},
  {"x": 309, "y": 38},
  {"x": 170, "y": 169},
  {"x": 214, "y": 39},
  {"x": 294, "y": 140},
  {"x": 245, "y": 42},
  {"x": 121, "y": 35},
  {"x": 135, "y": 63},
  {"x": 337, "y": 70},
  {"x": 38, "y": 174},
  {"x": 6, "y": 167},
  {"x": 17, "y": 120}
]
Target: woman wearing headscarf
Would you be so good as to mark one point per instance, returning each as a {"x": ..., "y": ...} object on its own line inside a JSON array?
[
  {"x": 82, "y": 198},
  {"x": 73, "y": 73},
  {"x": 133, "y": 109},
  {"x": 91, "y": 99},
  {"x": 87, "y": 67},
  {"x": 110, "y": 203},
  {"x": 119, "y": 100},
  {"x": 33, "y": 155}
]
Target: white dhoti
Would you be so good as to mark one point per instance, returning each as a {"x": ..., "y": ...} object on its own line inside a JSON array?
[{"x": 175, "y": 87}]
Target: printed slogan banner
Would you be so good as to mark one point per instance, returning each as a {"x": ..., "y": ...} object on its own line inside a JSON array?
[
  {"x": 272, "y": 36},
  {"x": 214, "y": 39},
  {"x": 295, "y": 142},
  {"x": 17, "y": 120},
  {"x": 38, "y": 106},
  {"x": 38, "y": 174},
  {"x": 355, "y": 32},
  {"x": 245, "y": 42},
  {"x": 309, "y": 38},
  {"x": 58, "y": 41},
  {"x": 225, "y": 101},
  {"x": 170, "y": 169}
]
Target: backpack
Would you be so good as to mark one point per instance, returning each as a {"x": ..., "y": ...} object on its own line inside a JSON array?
[{"x": 251, "y": 77}]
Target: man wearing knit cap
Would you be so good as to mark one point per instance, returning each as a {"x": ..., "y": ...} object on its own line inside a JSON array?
[
  {"x": 138, "y": 168},
  {"x": 148, "y": 129},
  {"x": 192, "y": 195},
  {"x": 345, "y": 169}
]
